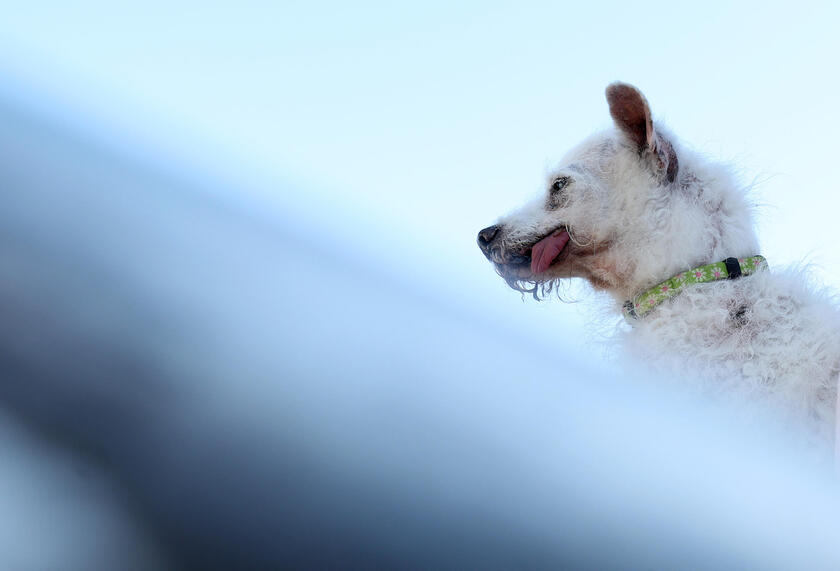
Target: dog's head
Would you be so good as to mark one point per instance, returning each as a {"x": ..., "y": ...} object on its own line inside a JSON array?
[{"x": 621, "y": 210}]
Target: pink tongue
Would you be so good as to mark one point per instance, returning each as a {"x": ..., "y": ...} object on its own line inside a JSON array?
[{"x": 546, "y": 250}]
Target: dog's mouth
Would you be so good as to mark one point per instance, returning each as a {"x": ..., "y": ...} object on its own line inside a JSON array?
[
  {"x": 546, "y": 250},
  {"x": 538, "y": 257}
]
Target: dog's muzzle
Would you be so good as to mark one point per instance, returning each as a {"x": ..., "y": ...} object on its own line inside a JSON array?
[{"x": 487, "y": 241}]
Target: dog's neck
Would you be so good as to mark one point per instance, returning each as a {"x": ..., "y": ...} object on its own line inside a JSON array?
[{"x": 703, "y": 218}]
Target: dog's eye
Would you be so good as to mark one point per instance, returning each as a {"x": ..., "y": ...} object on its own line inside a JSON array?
[
  {"x": 557, "y": 197},
  {"x": 559, "y": 183}
]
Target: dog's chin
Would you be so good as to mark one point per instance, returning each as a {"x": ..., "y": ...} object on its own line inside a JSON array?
[
  {"x": 521, "y": 279},
  {"x": 522, "y": 271}
]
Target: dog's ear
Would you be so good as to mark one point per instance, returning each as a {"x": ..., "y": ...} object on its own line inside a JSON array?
[{"x": 631, "y": 113}]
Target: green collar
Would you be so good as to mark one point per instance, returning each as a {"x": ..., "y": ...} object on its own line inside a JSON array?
[{"x": 730, "y": 268}]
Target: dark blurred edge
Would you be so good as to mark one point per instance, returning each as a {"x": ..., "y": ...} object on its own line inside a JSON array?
[{"x": 264, "y": 405}]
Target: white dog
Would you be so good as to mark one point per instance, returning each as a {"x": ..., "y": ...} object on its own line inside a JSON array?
[{"x": 670, "y": 237}]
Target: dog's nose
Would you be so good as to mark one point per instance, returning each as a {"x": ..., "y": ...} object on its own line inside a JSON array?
[{"x": 485, "y": 237}]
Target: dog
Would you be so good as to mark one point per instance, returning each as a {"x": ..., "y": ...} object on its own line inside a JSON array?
[{"x": 669, "y": 236}]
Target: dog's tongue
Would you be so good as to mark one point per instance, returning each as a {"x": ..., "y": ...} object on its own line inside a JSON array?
[{"x": 546, "y": 250}]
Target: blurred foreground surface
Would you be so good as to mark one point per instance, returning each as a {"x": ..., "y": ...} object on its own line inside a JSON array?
[{"x": 193, "y": 384}]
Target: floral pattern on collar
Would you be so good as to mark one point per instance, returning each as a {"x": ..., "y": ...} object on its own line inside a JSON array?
[{"x": 643, "y": 303}]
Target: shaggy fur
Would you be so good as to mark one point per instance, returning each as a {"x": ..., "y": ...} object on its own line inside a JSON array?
[{"x": 639, "y": 208}]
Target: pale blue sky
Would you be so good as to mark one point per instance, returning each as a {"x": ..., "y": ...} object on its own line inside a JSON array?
[{"x": 407, "y": 129}]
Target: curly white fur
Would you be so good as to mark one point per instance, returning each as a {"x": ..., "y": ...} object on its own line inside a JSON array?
[{"x": 640, "y": 208}]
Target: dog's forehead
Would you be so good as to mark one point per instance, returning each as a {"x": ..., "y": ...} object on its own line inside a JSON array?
[{"x": 590, "y": 153}]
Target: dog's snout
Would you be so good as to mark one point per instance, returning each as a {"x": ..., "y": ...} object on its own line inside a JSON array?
[{"x": 485, "y": 237}]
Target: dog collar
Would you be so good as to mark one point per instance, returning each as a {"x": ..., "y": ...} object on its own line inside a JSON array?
[{"x": 728, "y": 269}]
